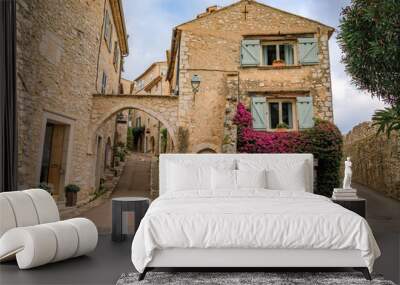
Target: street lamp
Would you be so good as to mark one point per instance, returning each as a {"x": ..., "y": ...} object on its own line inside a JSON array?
[{"x": 195, "y": 83}]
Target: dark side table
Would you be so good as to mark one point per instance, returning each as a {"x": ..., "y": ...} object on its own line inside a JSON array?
[
  {"x": 127, "y": 212},
  {"x": 357, "y": 205}
]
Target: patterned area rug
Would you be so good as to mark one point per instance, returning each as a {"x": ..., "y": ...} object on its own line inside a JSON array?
[{"x": 243, "y": 278}]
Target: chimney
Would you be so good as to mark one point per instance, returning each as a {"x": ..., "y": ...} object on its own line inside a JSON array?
[
  {"x": 208, "y": 11},
  {"x": 212, "y": 9}
]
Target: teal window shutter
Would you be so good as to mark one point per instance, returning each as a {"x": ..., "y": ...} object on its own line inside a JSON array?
[
  {"x": 258, "y": 111},
  {"x": 250, "y": 53},
  {"x": 305, "y": 112},
  {"x": 308, "y": 50}
]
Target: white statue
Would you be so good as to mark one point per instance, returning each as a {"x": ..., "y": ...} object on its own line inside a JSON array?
[{"x": 347, "y": 174}]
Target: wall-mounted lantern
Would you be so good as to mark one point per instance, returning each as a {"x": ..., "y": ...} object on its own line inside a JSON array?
[{"x": 195, "y": 83}]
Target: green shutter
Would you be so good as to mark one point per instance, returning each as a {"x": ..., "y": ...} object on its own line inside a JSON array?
[
  {"x": 308, "y": 50},
  {"x": 305, "y": 112},
  {"x": 250, "y": 53},
  {"x": 258, "y": 111}
]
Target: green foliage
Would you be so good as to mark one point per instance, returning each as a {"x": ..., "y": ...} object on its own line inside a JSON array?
[
  {"x": 129, "y": 139},
  {"x": 164, "y": 138},
  {"x": 370, "y": 40},
  {"x": 325, "y": 142},
  {"x": 72, "y": 188},
  {"x": 282, "y": 126},
  {"x": 388, "y": 120},
  {"x": 137, "y": 131}
]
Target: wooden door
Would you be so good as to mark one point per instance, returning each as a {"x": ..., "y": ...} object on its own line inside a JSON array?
[{"x": 56, "y": 159}]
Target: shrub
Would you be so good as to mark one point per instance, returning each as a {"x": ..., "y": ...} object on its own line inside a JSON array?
[
  {"x": 136, "y": 132},
  {"x": 324, "y": 141},
  {"x": 129, "y": 139},
  {"x": 72, "y": 188}
]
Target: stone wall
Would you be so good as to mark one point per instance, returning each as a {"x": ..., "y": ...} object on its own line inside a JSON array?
[
  {"x": 376, "y": 159},
  {"x": 106, "y": 58},
  {"x": 210, "y": 47},
  {"x": 60, "y": 59}
]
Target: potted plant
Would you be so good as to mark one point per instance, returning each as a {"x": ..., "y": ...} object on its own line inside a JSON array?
[
  {"x": 71, "y": 194},
  {"x": 278, "y": 62},
  {"x": 282, "y": 127}
]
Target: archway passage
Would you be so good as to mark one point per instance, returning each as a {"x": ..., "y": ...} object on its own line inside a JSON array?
[{"x": 162, "y": 107}]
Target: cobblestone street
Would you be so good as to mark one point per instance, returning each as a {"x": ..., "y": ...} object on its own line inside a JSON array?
[{"x": 134, "y": 181}]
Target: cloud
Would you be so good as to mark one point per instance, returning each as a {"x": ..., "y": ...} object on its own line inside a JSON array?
[{"x": 150, "y": 24}]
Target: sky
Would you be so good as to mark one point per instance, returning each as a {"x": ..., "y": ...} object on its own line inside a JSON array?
[{"x": 150, "y": 23}]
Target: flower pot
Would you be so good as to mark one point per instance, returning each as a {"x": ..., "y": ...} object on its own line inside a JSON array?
[
  {"x": 71, "y": 198},
  {"x": 278, "y": 63},
  {"x": 280, "y": 130}
]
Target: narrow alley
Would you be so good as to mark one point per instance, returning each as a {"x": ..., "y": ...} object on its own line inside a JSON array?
[{"x": 134, "y": 181}]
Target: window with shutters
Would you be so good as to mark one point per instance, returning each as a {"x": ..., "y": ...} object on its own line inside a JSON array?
[
  {"x": 308, "y": 51},
  {"x": 282, "y": 52},
  {"x": 281, "y": 113},
  {"x": 293, "y": 113},
  {"x": 107, "y": 30}
]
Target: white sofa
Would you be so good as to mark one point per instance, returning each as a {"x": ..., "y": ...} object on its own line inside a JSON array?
[{"x": 31, "y": 230}]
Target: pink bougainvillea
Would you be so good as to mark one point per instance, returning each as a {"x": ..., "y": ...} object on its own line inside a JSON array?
[
  {"x": 243, "y": 117},
  {"x": 252, "y": 141},
  {"x": 324, "y": 141}
]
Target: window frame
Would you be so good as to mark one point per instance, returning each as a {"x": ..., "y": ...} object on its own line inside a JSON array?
[
  {"x": 104, "y": 83},
  {"x": 108, "y": 30},
  {"x": 277, "y": 44},
  {"x": 280, "y": 101}
]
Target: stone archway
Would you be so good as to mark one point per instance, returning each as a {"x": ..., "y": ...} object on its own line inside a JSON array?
[
  {"x": 205, "y": 148},
  {"x": 162, "y": 107}
]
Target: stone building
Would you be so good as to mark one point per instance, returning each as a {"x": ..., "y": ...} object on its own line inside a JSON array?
[
  {"x": 153, "y": 139},
  {"x": 67, "y": 51},
  {"x": 149, "y": 138},
  {"x": 376, "y": 159},
  {"x": 153, "y": 80},
  {"x": 275, "y": 62},
  {"x": 126, "y": 86}
]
